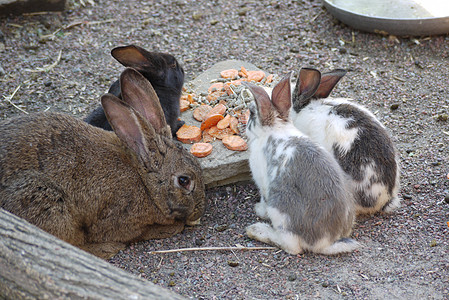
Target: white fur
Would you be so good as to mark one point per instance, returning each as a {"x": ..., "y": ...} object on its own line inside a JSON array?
[
  {"x": 325, "y": 129},
  {"x": 328, "y": 129}
]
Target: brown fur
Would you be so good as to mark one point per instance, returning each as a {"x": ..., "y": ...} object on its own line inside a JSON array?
[{"x": 93, "y": 189}]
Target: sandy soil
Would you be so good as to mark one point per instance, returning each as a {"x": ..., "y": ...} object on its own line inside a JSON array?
[{"x": 404, "y": 81}]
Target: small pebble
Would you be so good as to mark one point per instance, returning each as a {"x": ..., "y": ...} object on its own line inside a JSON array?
[
  {"x": 291, "y": 277},
  {"x": 233, "y": 263},
  {"x": 394, "y": 106},
  {"x": 446, "y": 198}
]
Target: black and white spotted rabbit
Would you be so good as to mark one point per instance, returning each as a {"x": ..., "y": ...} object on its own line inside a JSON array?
[
  {"x": 355, "y": 137},
  {"x": 303, "y": 189}
]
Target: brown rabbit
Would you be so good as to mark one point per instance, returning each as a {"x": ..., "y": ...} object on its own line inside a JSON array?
[{"x": 96, "y": 189}]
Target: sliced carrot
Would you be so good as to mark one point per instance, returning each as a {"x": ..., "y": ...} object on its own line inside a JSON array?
[
  {"x": 201, "y": 149},
  {"x": 214, "y": 95},
  {"x": 222, "y": 124},
  {"x": 190, "y": 98},
  {"x": 218, "y": 109},
  {"x": 269, "y": 79},
  {"x": 184, "y": 105},
  {"x": 217, "y": 86},
  {"x": 188, "y": 134},
  {"x": 234, "y": 125},
  {"x": 244, "y": 71},
  {"x": 201, "y": 112},
  {"x": 235, "y": 143},
  {"x": 211, "y": 120},
  {"x": 207, "y": 138},
  {"x": 256, "y": 75},
  {"x": 220, "y": 133},
  {"x": 236, "y": 82},
  {"x": 229, "y": 74},
  {"x": 244, "y": 116}
]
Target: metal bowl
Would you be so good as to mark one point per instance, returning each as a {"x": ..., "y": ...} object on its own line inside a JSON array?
[{"x": 398, "y": 17}]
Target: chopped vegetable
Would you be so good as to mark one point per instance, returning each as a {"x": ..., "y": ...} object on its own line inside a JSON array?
[
  {"x": 211, "y": 120},
  {"x": 188, "y": 134},
  {"x": 201, "y": 149},
  {"x": 201, "y": 112},
  {"x": 235, "y": 143},
  {"x": 222, "y": 124}
]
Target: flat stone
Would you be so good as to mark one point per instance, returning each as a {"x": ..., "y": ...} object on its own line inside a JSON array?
[
  {"x": 222, "y": 166},
  {"x": 16, "y": 7}
]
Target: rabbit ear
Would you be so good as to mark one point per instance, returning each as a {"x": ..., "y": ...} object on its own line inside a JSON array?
[
  {"x": 306, "y": 86},
  {"x": 132, "y": 56},
  {"x": 328, "y": 82},
  {"x": 263, "y": 102},
  {"x": 128, "y": 126},
  {"x": 138, "y": 92},
  {"x": 281, "y": 97}
]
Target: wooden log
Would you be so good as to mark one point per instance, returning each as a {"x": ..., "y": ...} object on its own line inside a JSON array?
[
  {"x": 16, "y": 7},
  {"x": 37, "y": 265}
]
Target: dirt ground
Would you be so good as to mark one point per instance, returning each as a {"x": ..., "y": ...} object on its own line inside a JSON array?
[{"x": 61, "y": 62}]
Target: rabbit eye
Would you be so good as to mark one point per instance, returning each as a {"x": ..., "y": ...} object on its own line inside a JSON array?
[
  {"x": 184, "y": 182},
  {"x": 173, "y": 66}
]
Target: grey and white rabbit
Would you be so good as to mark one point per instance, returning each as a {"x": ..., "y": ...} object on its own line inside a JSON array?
[
  {"x": 101, "y": 190},
  {"x": 303, "y": 189},
  {"x": 355, "y": 137},
  {"x": 164, "y": 73}
]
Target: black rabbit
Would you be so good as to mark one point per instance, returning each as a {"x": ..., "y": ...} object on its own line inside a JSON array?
[{"x": 163, "y": 72}]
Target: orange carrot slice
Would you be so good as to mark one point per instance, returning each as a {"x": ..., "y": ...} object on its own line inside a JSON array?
[
  {"x": 220, "y": 133},
  {"x": 235, "y": 143},
  {"x": 211, "y": 120},
  {"x": 201, "y": 149},
  {"x": 201, "y": 112},
  {"x": 256, "y": 75},
  {"x": 234, "y": 125},
  {"x": 188, "y": 134},
  {"x": 229, "y": 74},
  {"x": 269, "y": 79},
  {"x": 244, "y": 71},
  {"x": 222, "y": 124},
  {"x": 219, "y": 109},
  {"x": 184, "y": 105},
  {"x": 217, "y": 86}
]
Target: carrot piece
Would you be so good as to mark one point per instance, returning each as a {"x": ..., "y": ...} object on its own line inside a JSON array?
[
  {"x": 214, "y": 95},
  {"x": 211, "y": 120},
  {"x": 234, "y": 125},
  {"x": 269, "y": 79},
  {"x": 244, "y": 71},
  {"x": 201, "y": 112},
  {"x": 218, "y": 109},
  {"x": 231, "y": 73},
  {"x": 244, "y": 117},
  {"x": 188, "y": 134},
  {"x": 220, "y": 133},
  {"x": 222, "y": 124},
  {"x": 235, "y": 143},
  {"x": 184, "y": 105},
  {"x": 190, "y": 98},
  {"x": 217, "y": 86},
  {"x": 256, "y": 75},
  {"x": 237, "y": 82},
  {"x": 201, "y": 149},
  {"x": 207, "y": 138}
]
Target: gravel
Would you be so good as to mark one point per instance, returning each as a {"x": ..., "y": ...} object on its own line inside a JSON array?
[{"x": 403, "y": 80}]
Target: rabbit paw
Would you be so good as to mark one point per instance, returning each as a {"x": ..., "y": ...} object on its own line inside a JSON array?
[
  {"x": 285, "y": 240},
  {"x": 104, "y": 250},
  {"x": 261, "y": 232}
]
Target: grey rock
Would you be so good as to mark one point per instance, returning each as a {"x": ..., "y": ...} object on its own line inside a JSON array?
[{"x": 222, "y": 166}]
